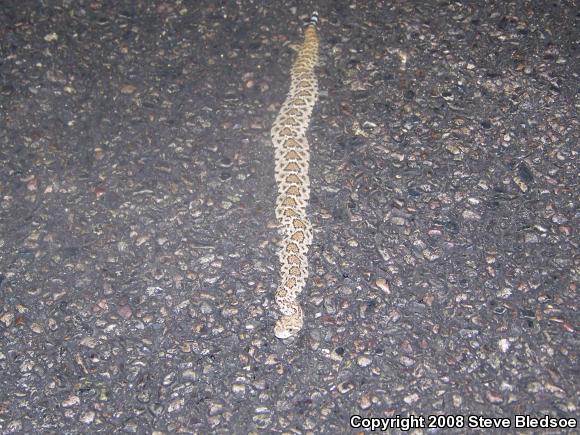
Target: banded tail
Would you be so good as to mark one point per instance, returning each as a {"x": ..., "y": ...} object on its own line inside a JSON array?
[{"x": 313, "y": 19}]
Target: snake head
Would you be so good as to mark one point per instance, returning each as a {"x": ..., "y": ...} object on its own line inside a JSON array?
[{"x": 288, "y": 326}]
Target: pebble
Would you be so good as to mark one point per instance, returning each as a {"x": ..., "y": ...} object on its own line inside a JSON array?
[
  {"x": 559, "y": 219},
  {"x": 156, "y": 409},
  {"x": 131, "y": 426},
  {"x": 206, "y": 308},
  {"x": 363, "y": 361},
  {"x": 506, "y": 387},
  {"x": 15, "y": 426},
  {"x": 7, "y": 318},
  {"x": 87, "y": 417},
  {"x": 531, "y": 238},
  {"x": 411, "y": 398},
  {"x": 309, "y": 424},
  {"x": 262, "y": 420},
  {"x": 494, "y": 397},
  {"x": 128, "y": 89},
  {"x": 555, "y": 390},
  {"x": 365, "y": 402},
  {"x": 71, "y": 401},
  {"x": 230, "y": 311},
  {"x": 90, "y": 342},
  {"x": 336, "y": 355},
  {"x": 169, "y": 378},
  {"x": 565, "y": 230},
  {"x": 430, "y": 255},
  {"x": 215, "y": 408},
  {"x": 51, "y": 37},
  {"x": 453, "y": 149},
  {"x": 345, "y": 387},
  {"x": 504, "y": 344},
  {"x": 471, "y": 215},
  {"x": 534, "y": 387},
  {"x": 397, "y": 220},
  {"x": 504, "y": 293},
  {"x": 521, "y": 185},
  {"x": 239, "y": 388},
  {"x": 175, "y": 405},
  {"x": 383, "y": 284},
  {"x": 125, "y": 312}
]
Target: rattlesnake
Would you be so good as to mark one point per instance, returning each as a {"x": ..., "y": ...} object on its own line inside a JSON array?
[{"x": 292, "y": 156}]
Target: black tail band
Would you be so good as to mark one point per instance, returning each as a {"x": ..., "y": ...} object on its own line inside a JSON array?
[{"x": 313, "y": 20}]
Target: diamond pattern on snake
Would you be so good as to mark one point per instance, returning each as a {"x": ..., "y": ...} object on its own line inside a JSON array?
[{"x": 292, "y": 157}]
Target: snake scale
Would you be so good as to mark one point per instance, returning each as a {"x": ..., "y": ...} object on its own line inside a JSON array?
[{"x": 292, "y": 157}]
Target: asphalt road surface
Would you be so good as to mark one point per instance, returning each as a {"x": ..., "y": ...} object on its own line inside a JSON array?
[{"x": 138, "y": 238}]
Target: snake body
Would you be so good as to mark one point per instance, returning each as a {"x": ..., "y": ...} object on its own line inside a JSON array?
[{"x": 292, "y": 156}]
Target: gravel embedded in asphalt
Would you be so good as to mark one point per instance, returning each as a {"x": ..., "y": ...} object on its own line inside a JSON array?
[{"x": 138, "y": 239}]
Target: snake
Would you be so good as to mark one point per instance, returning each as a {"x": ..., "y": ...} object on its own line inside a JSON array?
[{"x": 291, "y": 163}]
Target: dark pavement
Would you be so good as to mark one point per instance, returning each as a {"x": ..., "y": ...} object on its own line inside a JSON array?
[{"x": 138, "y": 239}]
